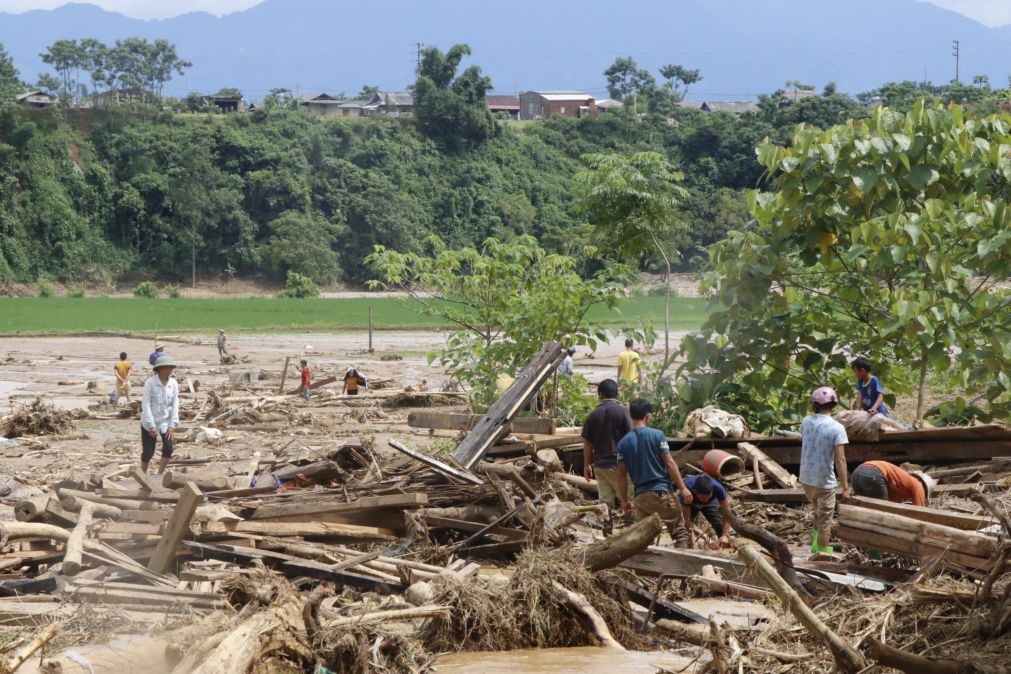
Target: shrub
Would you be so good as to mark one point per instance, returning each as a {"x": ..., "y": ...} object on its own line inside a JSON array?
[
  {"x": 299, "y": 287},
  {"x": 146, "y": 289},
  {"x": 76, "y": 291},
  {"x": 46, "y": 288},
  {"x": 172, "y": 292}
]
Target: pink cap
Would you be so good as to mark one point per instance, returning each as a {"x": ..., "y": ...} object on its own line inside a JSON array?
[{"x": 824, "y": 395}]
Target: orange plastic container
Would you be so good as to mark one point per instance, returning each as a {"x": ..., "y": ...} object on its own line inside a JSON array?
[{"x": 718, "y": 463}]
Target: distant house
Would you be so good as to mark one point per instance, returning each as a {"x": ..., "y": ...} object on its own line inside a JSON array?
[
  {"x": 504, "y": 104},
  {"x": 115, "y": 97},
  {"x": 352, "y": 108},
  {"x": 35, "y": 100},
  {"x": 232, "y": 103},
  {"x": 733, "y": 107},
  {"x": 544, "y": 104},
  {"x": 609, "y": 105},
  {"x": 321, "y": 105},
  {"x": 390, "y": 104}
]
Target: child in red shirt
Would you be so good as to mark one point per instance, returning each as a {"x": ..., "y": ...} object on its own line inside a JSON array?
[{"x": 306, "y": 381}]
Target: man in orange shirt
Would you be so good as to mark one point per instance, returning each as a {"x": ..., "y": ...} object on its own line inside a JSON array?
[{"x": 888, "y": 482}]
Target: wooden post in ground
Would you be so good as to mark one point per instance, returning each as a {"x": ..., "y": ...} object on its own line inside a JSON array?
[
  {"x": 370, "y": 330},
  {"x": 178, "y": 526},
  {"x": 284, "y": 375},
  {"x": 847, "y": 658}
]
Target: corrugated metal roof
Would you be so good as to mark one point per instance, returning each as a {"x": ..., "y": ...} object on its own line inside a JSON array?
[
  {"x": 734, "y": 107},
  {"x": 562, "y": 95}
]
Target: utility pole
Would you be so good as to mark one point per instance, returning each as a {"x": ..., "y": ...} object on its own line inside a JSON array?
[
  {"x": 956, "y": 51},
  {"x": 417, "y": 69}
]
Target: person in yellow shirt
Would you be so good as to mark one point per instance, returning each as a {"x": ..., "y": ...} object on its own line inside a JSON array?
[
  {"x": 629, "y": 365},
  {"x": 122, "y": 369}
]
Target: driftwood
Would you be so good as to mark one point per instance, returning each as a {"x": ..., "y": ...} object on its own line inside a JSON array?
[
  {"x": 13, "y": 662},
  {"x": 74, "y": 549},
  {"x": 99, "y": 510},
  {"x": 630, "y": 541},
  {"x": 917, "y": 664},
  {"x": 31, "y": 509},
  {"x": 588, "y": 617},
  {"x": 847, "y": 658},
  {"x": 779, "y": 550},
  {"x": 177, "y": 480}
]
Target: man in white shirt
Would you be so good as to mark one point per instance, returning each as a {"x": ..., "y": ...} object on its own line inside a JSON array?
[{"x": 159, "y": 414}]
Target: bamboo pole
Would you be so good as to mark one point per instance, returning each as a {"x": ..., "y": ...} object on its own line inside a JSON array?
[{"x": 846, "y": 657}]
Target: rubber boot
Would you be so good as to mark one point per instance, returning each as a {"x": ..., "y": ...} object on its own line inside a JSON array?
[{"x": 814, "y": 542}]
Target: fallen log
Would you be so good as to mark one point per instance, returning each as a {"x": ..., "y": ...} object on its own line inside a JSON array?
[
  {"x": 925, "y": 514},
  {"x": 917, "y": 664},
  {"x": 31, "y": 509},
  {"x": 776, "y": 547},
  {"x": 99, "y": 510},
  {"x": 123, "y": 504},
  {"x": 178, "y": 480},
  {"x": 397, "y": 615},
  {"x": 846, "y": 657},
  {"x": 75, "y": 542},
  {"x": 612, "y": 551},
  {"x": 588, "y": 617},
  {"x": 589, "y": 486}
]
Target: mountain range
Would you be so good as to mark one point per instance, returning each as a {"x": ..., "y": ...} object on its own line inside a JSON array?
[{"x": 742, "y": 47}]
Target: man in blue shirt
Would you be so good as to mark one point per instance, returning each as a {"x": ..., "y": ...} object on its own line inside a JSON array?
[
  {"x": 159, "y": 351},
  {"x": 643, "y": 455},
  {"x": 711, "y": 499}
]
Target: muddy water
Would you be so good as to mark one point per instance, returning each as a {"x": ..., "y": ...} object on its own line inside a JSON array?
[
  {"x": 124, "y": 654},
  {"x": 561, "y": 661}
]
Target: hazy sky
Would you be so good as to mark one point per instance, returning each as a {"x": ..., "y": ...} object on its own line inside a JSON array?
[
  {"x": 990, "y": 12},
  {"x": 142, "y": 9}
]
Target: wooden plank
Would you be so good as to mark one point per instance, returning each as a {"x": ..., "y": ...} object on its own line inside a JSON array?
[
  {"x": 494, "y": 424},
  {"x": 159, "y": 496},
  {"x": 661, "y": 607},
  {"x": 451, "y": 421},
  {"x": 687, "y": 563},
  {"x": 937, "y": 535},
  {"x": 322, "y": 503},
  {"x": 178, "y": 526},
  {"x": 148, "y": 516},
  {"x": 142, "y": 479},
  {"x": 352, "y": 531},
  {"x": 795, "y": 495},
  {"x": 925, "y": 514},
  {"x": 315, "y": 385},
  {"x": 293, "y": 566},
  {"x": 776, "y": 472},
  {"x": 440, "y": 466},
  {"x": 916, "y": 550},
  {"x": 103, "y": 595}
]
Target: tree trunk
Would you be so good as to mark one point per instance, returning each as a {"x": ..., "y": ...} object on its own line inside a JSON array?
[
  {"x": 918, "y": 664},
  {"x": 588, "y": 617},
  {"x": 922, "y": 389},
  {"x": 630, "y": 541}
]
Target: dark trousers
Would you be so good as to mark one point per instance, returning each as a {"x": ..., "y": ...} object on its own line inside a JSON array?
[
  {"x": 148, "y": 445},
  {"x": 870, "y": 482},
  {"x": 711, "y": 511}
]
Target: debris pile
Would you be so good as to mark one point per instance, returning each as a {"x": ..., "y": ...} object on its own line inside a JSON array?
[{"x": 39, "y": 418}]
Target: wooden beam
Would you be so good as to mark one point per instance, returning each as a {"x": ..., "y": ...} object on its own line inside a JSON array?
[
  {"x": 495, "y": 423},
  {"x": 685, "y": 564},
  {"x": 282, "y": 529},
  {"x": 779, "y": 475},
  {"x": 909, "y": 529},
  {"x": 451, "y": 421},
  {"x": 284, "y": 374},
  {"x": 178, "y": 526},
  {"x": 661, "y": 607},
  {"x": 324, "y": 504},
  {"x": 142, "y": 479},
  {"x": 924, "y": 514},
  {"x": 435, "y": 522},
  {"x": 440, "y": 466},
  {"x": 75, "y": 543},
  {"x": 915, "y": 550}
]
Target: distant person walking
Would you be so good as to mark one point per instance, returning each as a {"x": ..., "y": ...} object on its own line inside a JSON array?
[
  {"x": 305, "y": 383},
  {"x": 222, "y": 344},
  {"x": 159, "y": 414},
  {"x": 159, "y": 351},
  {"x": 644, "y": 455},
  {"x": 122, "y": 369},
  {"x": 604, "y": 427},
  {"x": 823, "y": 464},
  {"x": 629, "y": 365},
  {"x": 353, "y": 380}
]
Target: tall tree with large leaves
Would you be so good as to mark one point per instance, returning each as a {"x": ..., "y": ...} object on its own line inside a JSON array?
[
  {"x": 626, "y": 80},
  {"x": 884, "y": 237},
  {"x": 451, "y": 108},
  {"x": 633, "y": 202}
]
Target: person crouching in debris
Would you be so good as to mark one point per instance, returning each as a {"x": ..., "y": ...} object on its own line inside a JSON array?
[
  {"x": 823, "y": 464},
  {"x": 603, "y": 428},
  {"x": 353, "y": 380},
  {"x": 159, "y": 414},
  {"x": 888, "y": 482},
  {"x": 305, "y": 383},
  {"x": 711, "y": 499},
  {"x": 643, "y": 455}
]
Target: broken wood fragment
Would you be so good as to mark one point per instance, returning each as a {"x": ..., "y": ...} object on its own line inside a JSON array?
[
  {"x": 31, "y": 509},
  {"x": 588, "y": 617},
  {"x": 440, "y": 466},
  {"x": 178, "y": 526},
  {"x": 627, "y": 542},
  {"x": 177, "y": 480},
  {"x": 911, "y": 663},
  {"x": 779, "y": 475},
  {"x": 75, "y": 542}
]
